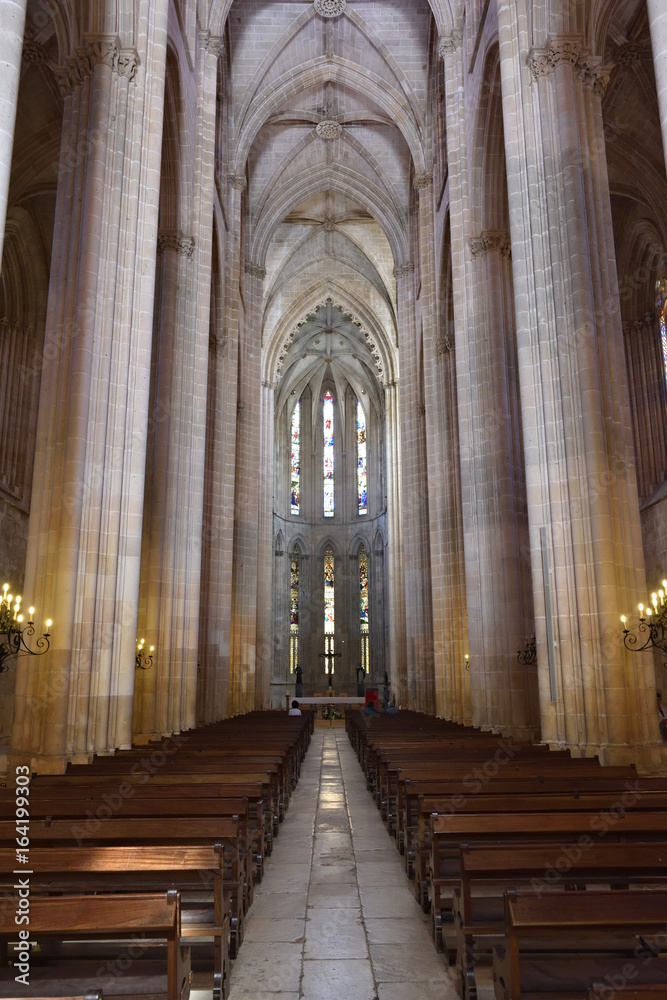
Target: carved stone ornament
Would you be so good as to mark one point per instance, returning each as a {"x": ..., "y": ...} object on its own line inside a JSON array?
[
  {"x": 212, "y": 43},
  {"x": 182, "y": 245},
  {"x": 491, "y": 240},
  {"x": 444, "y": 345},
  {"x": 562, "y": 49},
  {"x": 404, "y": 271},
  {"x": 238, "y": 181},
  {"x": 255, "y": 270},
  {"x": 330, "y": 8},
  {"x": 422, "y": 181},
  {"x": 33, "y": 52},
  {"x": 629, "y": 53},
  {"x": 98, "y": 50},
  {"x": 450, "y": 43},
  {"x": 329, "y": 129}
]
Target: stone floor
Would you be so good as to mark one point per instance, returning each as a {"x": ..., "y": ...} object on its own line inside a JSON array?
[{"x": 334, "y": 916}]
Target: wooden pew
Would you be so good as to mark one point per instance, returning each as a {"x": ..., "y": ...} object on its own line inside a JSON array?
[
  {"x": 449, "y": 833},
  {"x": 89, "y": 918},
  {"x": 478, "y": 908},
  {"x": 556, "y": 945},
  {"x": 189, "y": 870},
  {"x": 221, "y": 832}
]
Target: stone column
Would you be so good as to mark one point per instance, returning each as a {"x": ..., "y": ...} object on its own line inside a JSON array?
[
  {"x": 166, "y": 695},
  {"x": 582, "y": 495},
  {"x": 12, "y": 23},
  {"x": 414, "y": 506},
  {"x": 395, "y": 580},
  {"x": 86, "y": 519},
  {"x": 265, "y": 557},
  {"x": 444, "y": 500},
  {"x": 457, "y": 704},
  {"x": 657, "y": 15},
  {"x": 504, "y": 694},
  {"x": 248, "y": 431}
]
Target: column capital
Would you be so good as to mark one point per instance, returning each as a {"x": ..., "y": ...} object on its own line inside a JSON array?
[
  {"x": 237, "y": 181},
  {"x": 216, "y": 344},
  {"x": 444, "y": 345},
  {"x": 255, "y": 270},
  {"x": 404, "y": 270},
  {"x": 450, "y": 43},
  {"x": 422, "y": 181},
  {"x": 490, "y": 240},
  {"x": 594, "y": 75},
  {"x": 183, "y": 245},
  {"x": 97, "y": 50},
  {"x": 213, "y": 44},
  {"x": 559, "y": 49}
]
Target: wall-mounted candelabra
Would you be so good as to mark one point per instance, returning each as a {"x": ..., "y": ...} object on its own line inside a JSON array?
[
  {"x": 143, "y": 659},
  {"x": 16, "y": 635},
  {"x": 528, "y": 655},
  {"x": 651, "y": 627}
]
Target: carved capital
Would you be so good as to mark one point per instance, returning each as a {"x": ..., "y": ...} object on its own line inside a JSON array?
[
  {"x": 491, "y": 240},
  {"x": 422, "y": 181},
  {"x": 237, "y": 181},
  {"x": 560, "y": 49},
  {"x": 213, "y": 44},
  {"x": 267, "y": 384},
  {"x": 593, "y": 74},
  {"x": 255, "y": 270},
  {"x": 444, "y": 345},
  {"x": 421, "y": 409},
  {"x": 450, "y": 43},
  {"x": 404, "y": 270},
  {"x": 127, "y": 63},
  {"x": 182, "y": 245}
]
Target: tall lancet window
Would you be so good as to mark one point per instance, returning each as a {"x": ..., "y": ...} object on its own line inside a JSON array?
[
  {"x": 662, "y": 307},
  {"x": 363, "y": 608},
  {"x": 294, "y": 613},
  {"x": 329, "y": 606},
  {"x": 328, "y": 420},
  {"x": 295, "y": 462},
  {"x": 362, "y": 476}
]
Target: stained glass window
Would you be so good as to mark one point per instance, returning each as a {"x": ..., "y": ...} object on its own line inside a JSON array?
[
  {"x": 294, "y": 613},
  {"x": 328, "y": 416},
  {"x": 362, "y": 491},
  {"x": 329, "y": 607},
  {"x": 295, "y": 463},
  {"x": 661, "y": 302},
  {"x": 363, "y": 607}
]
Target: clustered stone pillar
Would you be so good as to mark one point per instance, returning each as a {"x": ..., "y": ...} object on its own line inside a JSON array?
[
  {"x": 586, "y": 547},
  {"x": 265, "y": 549},
  {"x": 499, "y": 612},
  {"x": 248, "y": 439},
  {"x": 12, "y": 23},
  {"x": 395, "y": 578},
  {"x": 416, "y": 560},
  {"x": 457, "y": 698},
  {"x": 86, "y": 520}
]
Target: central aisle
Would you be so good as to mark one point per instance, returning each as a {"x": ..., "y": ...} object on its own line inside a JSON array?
[{"x": 334, "y": 917}]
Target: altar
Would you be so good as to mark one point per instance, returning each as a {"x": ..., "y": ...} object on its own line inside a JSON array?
[{"x": 323, "y": 700}]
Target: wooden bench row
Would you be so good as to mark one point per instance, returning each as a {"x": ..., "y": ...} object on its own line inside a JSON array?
[
  {"x": 496, "y": 835},
  {"x": 192, "y": 816}
]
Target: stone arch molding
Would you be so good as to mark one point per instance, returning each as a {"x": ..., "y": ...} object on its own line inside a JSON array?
[
  {"x": 347, "y": 312},
  {"x": 447, "y": 15}
]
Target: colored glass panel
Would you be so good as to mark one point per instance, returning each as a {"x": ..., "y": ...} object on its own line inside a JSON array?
[
  {"x": 362, "y": 476},
  {"x": 363, "y": 587},
  {"x": 663, "y": 336},
  {"x": 328, "y": 418},
  {"x": 329, "y": 606},
  {"x": 295, "y": 463},
  {"x": 294, "y": 613}
]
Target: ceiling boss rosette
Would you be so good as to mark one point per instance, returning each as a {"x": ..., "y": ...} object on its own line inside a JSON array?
[
  {"x": 330, "y": 8},
  {"x": 329, "y": 129}
]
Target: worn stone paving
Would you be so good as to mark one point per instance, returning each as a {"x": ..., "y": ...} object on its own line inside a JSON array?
[{"x": 334, "y": 916}]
